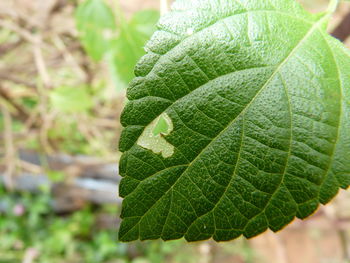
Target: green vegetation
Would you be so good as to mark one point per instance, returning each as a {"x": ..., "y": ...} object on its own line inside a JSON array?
[
  {"x": 75, "y": 111},
  {"x": 64, "y": 73},
  {"x": 258, "y": 94},
  {"x": 28, "y": 225}
]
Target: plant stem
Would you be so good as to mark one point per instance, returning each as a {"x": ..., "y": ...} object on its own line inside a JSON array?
[
  {"x": 163, "y": 7},
  {"x": 332, "y": 6}
]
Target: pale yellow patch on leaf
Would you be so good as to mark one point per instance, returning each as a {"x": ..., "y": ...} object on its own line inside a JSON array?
[{"x": 157, "y": 143}]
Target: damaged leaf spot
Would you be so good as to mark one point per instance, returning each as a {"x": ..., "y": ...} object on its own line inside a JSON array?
[{"x": 153, "y": 139}]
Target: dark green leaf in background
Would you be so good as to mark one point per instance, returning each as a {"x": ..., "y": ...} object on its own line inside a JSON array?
[{"x": 258, "y": 95}]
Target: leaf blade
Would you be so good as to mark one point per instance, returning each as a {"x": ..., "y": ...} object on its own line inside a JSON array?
[{"x": 229, "y": 186}]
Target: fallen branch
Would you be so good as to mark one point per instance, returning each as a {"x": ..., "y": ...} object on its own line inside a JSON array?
[
  {"x": 8, "y": 47},
  {"x": 7, "y": 77},
  {"x": 10, "y": 152},
  {"x": 86, "y": 180},
  {"x": 21, "y": 114}
]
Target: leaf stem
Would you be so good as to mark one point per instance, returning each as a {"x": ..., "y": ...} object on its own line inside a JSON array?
[{"x": 332, "y": 6}]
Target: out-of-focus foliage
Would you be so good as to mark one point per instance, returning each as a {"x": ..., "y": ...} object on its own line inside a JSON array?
[
  {"x": 67, "y": 83},
  {"x": 127, "y": 48},
  {"x": 96, "y": 24},
  {"x": 120, "y": 41},
  {"x": 28, "y": 225},
  {"x": 70, "y": 100}
]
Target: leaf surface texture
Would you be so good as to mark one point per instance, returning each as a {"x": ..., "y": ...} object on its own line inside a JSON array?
[{"x": 259, "y": 98}]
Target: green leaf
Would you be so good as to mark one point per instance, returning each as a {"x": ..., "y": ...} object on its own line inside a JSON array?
[
  {"x": 128, "y": 48},
  {"x": 96, "y": 25},
  {"x": 71, "y": 100},
  {"x": 258, "y": 95}
]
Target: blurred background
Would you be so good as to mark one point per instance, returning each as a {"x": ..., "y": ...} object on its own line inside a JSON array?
[{"x": 64, "y": 68}]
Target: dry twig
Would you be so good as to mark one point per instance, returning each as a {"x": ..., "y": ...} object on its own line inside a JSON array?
[
  {"x": 10, "y": 152},
  {"x": 8, "y": 77},
  {"x": 22, "y": 113}
]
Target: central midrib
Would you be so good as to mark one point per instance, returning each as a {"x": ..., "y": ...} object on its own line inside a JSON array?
[
  {"x": 310, "y": 32},
  {"x": 278, "y": 68}
]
